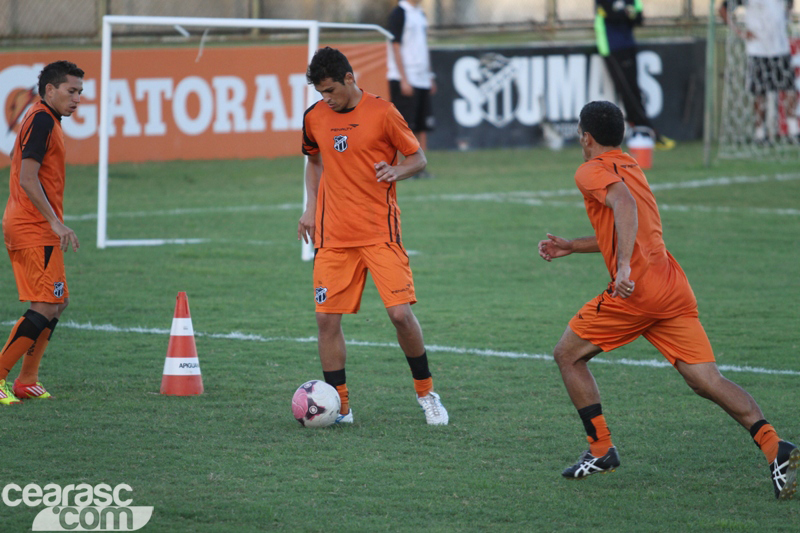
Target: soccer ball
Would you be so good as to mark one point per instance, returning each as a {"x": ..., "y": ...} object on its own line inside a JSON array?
[{"x": 316, "y": 404}]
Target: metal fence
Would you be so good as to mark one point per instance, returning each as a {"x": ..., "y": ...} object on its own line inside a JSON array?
[{"x": 43, "y": 21}]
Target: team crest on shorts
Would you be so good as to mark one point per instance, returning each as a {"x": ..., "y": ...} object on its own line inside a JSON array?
[
  {"x": 58, "y": 289},
  {"x": 340, "y": 143},
  {"x": 320, "y": 294}
]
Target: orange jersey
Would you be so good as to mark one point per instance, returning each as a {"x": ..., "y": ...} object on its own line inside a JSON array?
[
  {"x": 662, "y": 289},
  {"x": 42, "y": 139},
  {"x": 353, "y": 208}
]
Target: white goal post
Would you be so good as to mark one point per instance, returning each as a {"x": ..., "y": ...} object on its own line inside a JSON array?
[{"x": 313, "y": 28}]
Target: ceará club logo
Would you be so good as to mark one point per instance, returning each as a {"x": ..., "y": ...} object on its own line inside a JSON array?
[{"x": 81, "y": 507}]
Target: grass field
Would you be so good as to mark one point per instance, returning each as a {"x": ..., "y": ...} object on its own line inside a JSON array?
[{"x": 233, "y": 459}]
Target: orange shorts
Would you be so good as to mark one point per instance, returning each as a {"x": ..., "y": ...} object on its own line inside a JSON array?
[
  {"x": 608, "y": 326},
  {"x": 39, "y": 273},
  {"x": 340, "y": 275}
]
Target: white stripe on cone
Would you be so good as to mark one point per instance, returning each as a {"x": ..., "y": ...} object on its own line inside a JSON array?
[
  {"x": 182, "y": 327},
  {"x": 182, "y": 366}
]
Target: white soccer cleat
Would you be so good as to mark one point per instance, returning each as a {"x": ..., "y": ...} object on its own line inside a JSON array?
[
  {"x": 345, "y": 419},
  {"x": 435, "y": 413}
]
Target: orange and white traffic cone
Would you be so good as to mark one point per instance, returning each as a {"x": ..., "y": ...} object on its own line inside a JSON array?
[{"x": 182, "y": 367}]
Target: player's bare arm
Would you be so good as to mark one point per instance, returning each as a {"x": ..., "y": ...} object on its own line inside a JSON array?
[
  {"x": 434, "y": 87},
  {"x": 405, "y": 88},
  {"x": 29, "y": 180},
  {"x": 410, "y": 166},
  {"x": 306, "y": 225},
  {"x": 626, "y": 222},
  {"x": 554, "y": 247},
  {"x": 743, "y": 33}
]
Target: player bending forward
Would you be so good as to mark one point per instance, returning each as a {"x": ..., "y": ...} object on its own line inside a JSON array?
[
  {"x": 649, "y": 296},
  {"x": 35, "y": 235},
  {"x": 353, "y": 220}
]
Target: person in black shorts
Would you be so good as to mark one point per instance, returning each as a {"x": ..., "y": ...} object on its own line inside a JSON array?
[
  {"x": 764, "y": 30},
  {"x": 411, "y": 82}
]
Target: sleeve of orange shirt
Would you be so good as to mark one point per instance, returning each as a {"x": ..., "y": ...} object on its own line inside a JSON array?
[
  {"x": 399, "y": 133},
  {"x": 34, "y": 146},
  {"x": 310, "y": 146},
  {"x": 593, "y": 179}
]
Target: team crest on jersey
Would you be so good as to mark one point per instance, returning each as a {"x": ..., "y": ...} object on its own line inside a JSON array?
[
  {"x": 320, "y": 294},
  {"x": 58, "y": 289},
  {"x": 340, "y": 143}
]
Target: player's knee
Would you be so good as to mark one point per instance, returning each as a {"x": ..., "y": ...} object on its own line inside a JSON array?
[
  {"x": 702, "y": 392},
  {"x": 328, "y": 324},
  {"x": 567, "y": 355},
  {"x": 700, "y": 388},
  {"x": 401, "y": 316},
  {"x": 560, "y": 355},
  {"x": 703, "y": 379}
]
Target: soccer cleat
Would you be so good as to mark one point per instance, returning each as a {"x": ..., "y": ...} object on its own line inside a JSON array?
[
  {"x": 35, "y": 391},
  {"x": 783, "y": 470},
  {"x": 588, "y": 464},
  {"x": 664, "y": 143},
  {"x": 345, "y": 419},
  {"x": 435, "y": 413},
  {"x": 6, "y": 394}
]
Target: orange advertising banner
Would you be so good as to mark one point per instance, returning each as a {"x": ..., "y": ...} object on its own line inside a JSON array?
[{"x": 177, "y": 103}]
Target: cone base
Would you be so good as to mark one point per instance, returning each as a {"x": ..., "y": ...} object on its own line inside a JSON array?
[{"x": 181, "y": 385}]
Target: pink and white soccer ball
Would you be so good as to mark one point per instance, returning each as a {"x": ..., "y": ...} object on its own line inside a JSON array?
[{"x": 316, "y": 404}]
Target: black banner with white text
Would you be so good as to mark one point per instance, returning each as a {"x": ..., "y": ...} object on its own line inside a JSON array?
[{"x": 507, "y": 97}]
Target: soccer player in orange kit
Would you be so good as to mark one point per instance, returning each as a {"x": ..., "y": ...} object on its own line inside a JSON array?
[
  {"x": 35, "y": 235},
  {"x": 352, "y": 139},
  {"x": 649, "y": 295}
]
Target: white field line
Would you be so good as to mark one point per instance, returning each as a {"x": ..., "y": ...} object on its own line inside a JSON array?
[
  {"x": 535, "y": 198},
  {"x": 190, "y": 211},
  {"x": 251, "y": 337},
  {"x": 662, "y": 207},
  {"x": 573, "y": 191},
  {"x": 541, "y": 198}
]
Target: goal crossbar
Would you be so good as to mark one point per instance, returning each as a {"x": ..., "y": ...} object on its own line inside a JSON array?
[{"x": 313, "y": 28}]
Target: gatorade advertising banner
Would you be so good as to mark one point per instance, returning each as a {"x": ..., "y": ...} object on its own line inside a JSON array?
[
  {"x": 506, "y": 97},
  {"x": 177, "y": 103},
  {"x": 248, "y": 102}
]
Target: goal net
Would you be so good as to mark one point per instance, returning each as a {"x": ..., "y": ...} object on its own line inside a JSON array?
[
  {"x": 759, "y": 112},
  {"x": 205, "y": 102}
]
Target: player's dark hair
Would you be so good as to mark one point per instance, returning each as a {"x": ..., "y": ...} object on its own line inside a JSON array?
[
  {"x": 328, "y": 63},
  {"x": 604, "y": 121},
  {"x": 56, "y": 73}
]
